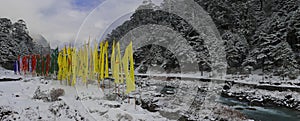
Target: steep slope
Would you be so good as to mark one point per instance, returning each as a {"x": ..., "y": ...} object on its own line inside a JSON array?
[
  {"x": 271, "y": 29},
  {"x": 149, "y": 14},
  {"x": 260, "y": 35}
]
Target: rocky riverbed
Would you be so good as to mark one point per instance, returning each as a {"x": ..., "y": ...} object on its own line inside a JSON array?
[
  {"x": 262, "y": 97},
  {"x": 184, "y": 100}
]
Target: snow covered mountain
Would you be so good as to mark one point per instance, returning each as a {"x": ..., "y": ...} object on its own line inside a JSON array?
[
  {"x": 15, "y": 40},
  {"x": 260, "y": 36}
]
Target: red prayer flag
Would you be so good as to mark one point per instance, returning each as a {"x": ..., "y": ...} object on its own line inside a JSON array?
[{"x": 33, "y": 63}]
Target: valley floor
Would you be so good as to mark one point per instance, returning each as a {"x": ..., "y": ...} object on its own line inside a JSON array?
[{"x": 31, "y": 99}]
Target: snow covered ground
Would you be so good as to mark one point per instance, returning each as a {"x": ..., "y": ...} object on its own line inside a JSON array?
[
  {"x": 18, "y": 101},
  {"x": 78, "y": 103},
  {"x": 7, "y": 73}
]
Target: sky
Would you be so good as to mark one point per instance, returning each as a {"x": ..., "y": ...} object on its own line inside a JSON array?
[{"x": 62, "y": 22}]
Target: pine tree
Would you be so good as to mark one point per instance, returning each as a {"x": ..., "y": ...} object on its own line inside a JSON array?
[
  {"x": 236, "y": 50},
  {"x": 293, "y": 35},
  {"x": 274, "y": 55}
]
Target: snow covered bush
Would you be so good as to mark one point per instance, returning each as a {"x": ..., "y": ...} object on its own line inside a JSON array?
[{"x": 40, "y": 95}]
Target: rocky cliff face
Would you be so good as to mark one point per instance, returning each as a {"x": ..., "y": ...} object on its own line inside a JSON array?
[
  {"x": 15, "y": 40},
  {"x": 261, "y": 35}
]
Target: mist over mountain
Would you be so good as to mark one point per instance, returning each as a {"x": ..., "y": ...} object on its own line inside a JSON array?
[{"x": 41, "y": 44}]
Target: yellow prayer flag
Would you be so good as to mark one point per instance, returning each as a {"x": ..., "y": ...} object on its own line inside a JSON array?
[
  {"x": 102, "y": 61},
  {"x": 130, "y": 53},
  {"x": 112, "y": 61},
  {"x": 82, "y": 63},
  {"x": 91, "y": 64},
  {"x": 69, "y": 65},
  {"x": 130, "y": 82},
  {"x": 119, "y": 64},
  {"x": 60, "y": 65},
  {"x": 106, "y": 60},
  {"x": 86, "y": 55},
  {"x": 85, "y": 64},
  {"x": 95, "y": 57},
  {"x": 125, "y": 69},
  {"x": 74, "y": 66},
  {"x": 78, "y": 63},
  {"x": 80, "y": 68},
  {"x": 65, "y": 64}
]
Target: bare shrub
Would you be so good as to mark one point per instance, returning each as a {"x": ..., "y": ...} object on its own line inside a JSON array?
[
  {"x": 56, "y": 93},
  {"x": 230, "y": 114}
]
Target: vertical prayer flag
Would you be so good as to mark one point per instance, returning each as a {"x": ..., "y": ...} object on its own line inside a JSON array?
[
  {"x": 130, "y": 82},
  {"x": 119, "y": 62},
  {"x": 102, "y": 61},
  {"x": 112, "y": 61},
  {"x": 95, "y": 57},
  {"x": 106, "y": 60},
  {"x": 130, "y": 54},
  {"x": 33, "y": 57},
  {"x": 60, "y": 65},
  {"x": 74, "y": 66}
]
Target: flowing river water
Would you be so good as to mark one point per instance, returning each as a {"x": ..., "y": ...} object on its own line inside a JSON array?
[{"x": 262, "y": 113}]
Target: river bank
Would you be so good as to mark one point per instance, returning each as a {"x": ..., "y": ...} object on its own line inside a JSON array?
[{"x": 273, "y": 102}]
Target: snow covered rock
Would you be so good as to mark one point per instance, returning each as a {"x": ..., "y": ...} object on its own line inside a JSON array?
[
  {"x": 7, "y": 114},
  {"x": 41, "y": 95},
  {"x": 63, "y": 112}
]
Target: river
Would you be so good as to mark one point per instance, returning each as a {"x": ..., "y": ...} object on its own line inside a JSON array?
[{"x": 262, "y": 113}]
